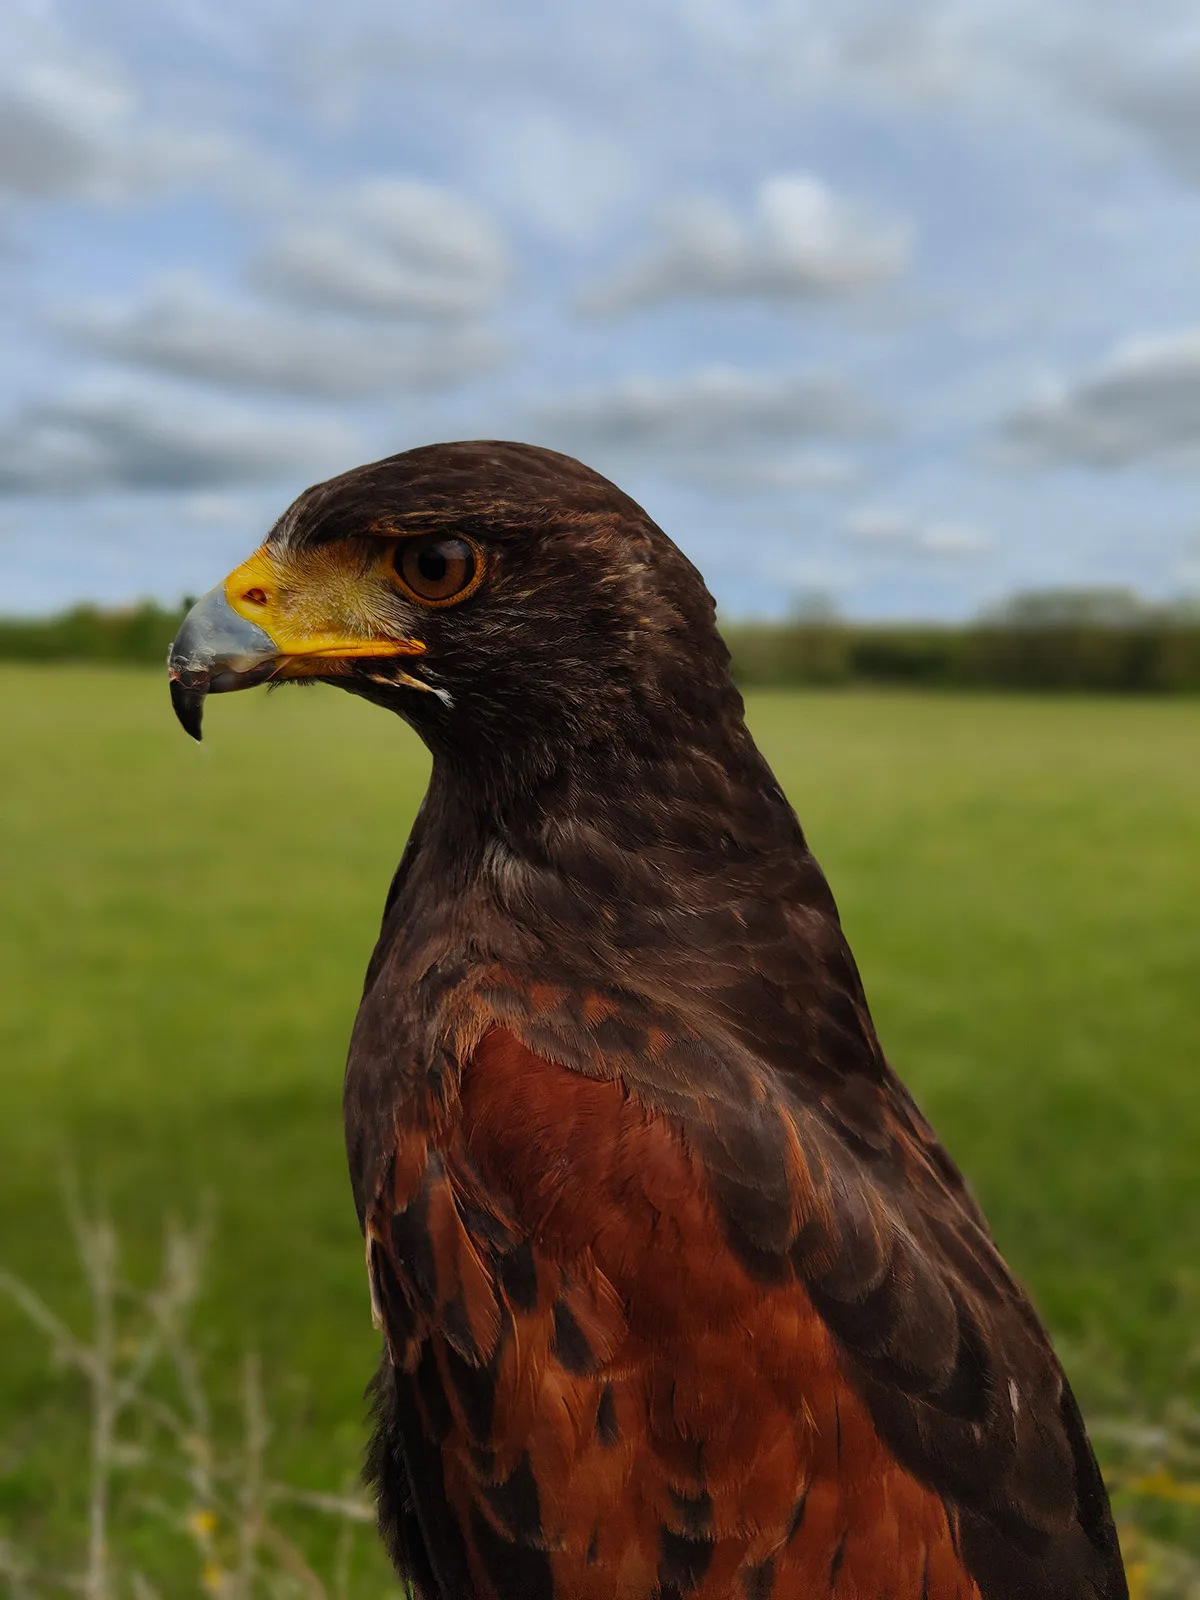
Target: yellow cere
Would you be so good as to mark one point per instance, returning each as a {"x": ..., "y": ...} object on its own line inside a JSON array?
[{"x": 319, "y": 606}]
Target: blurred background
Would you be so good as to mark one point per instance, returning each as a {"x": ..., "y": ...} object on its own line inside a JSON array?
[{"x": 889, "y": 314}]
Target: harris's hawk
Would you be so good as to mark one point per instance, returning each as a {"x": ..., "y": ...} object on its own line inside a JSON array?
[{"x": 680, "y": 1294}]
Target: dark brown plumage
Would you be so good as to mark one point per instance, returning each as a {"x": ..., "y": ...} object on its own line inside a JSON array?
[{"x": 680, "y": 1294}]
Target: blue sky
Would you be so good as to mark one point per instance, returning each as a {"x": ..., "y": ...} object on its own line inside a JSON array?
[{"x": 894, "y": 302}]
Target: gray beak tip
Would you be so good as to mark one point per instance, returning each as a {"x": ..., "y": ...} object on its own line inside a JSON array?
[{"x": 188, "y": 703}]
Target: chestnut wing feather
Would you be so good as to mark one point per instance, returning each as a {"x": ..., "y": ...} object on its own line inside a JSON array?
[{"x": 723, "y": 1344}]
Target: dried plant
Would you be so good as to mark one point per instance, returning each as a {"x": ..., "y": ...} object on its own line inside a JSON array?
[{"x": 154, "y": 1450}]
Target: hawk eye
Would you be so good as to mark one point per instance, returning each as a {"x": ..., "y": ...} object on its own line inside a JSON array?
[{"x": 438, "y": 569}]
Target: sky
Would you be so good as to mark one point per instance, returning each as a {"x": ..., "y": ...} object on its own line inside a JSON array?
[{"x": 891, "y": 303}]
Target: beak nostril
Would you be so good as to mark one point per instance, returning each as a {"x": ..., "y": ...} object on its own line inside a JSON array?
[{"x": 256, "y": 597}]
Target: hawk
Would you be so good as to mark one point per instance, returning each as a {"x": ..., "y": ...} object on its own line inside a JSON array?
[{"x": 680, "y": 1295}]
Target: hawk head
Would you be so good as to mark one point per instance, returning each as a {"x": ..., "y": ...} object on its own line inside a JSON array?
[{"x": 505, "y": 600}]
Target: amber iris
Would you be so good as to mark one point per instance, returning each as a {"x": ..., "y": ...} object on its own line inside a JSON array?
[{"x": 437, "y": 569}]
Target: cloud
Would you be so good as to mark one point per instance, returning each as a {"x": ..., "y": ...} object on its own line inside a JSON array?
[
  {"x": 39, "y": 153},
  {"x": 93, "y": 442},
  {"x": 1155, "y": 91},
  {"x": 394, "y": 248},
  {"x": 919, "y": 53},
  {"x": 719, "y": 428},
  {"x": 63, "y": 138},
  {"x": 61, "y": 112},
  {"x": 569, "y": 178},
  {"x": 1140, "y": 406},
  {"x": 188, "y": 333},
  {"x": 805, "y": 470},
  {"x": 897, "y": 532},
  {"x": 219, "y": 508},
  {"x": 802, "y": 242},
  {"x": 1187, "y": 569},
  {"x": 713, "y": 408}
]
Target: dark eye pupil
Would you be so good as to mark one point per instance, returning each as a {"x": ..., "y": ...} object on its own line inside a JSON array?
[
  {"x": 437, "y": 569},
  {"x": 432, "y": 565}
]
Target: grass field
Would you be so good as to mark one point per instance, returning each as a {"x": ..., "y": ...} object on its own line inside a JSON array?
[{"x": 185, "y": 931}]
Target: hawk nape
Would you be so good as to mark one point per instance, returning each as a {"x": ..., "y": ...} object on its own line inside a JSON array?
[{"x": 680, "y": 1294}]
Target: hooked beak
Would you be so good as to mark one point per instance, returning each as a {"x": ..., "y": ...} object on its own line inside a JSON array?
[
  {"x": 272, "y": 618},
  {"x": 216, "y": 650}
]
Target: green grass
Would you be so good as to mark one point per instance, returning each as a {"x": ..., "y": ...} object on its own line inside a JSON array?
[{"x": 185, "y": 930}]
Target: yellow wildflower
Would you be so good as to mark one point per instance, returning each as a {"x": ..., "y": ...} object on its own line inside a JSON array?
[{"x": 202, "y": 1524}]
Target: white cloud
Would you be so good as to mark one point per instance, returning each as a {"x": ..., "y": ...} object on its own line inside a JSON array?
[
  {"x": 73, "y": 128},
  {"x": 214, "y": 508},
  {"x": 393, "y": 248},
  {"x": 883, "y": 529},
  {"x": 95, "y": 441},
  {"x": 801, "y": 242},
  {"x": 954, "y": 540},
  {"x": 719, "y": 428},
  {"x": 567, "y": 178},
  {"x": 1140, "y": 406},
  {"x": 189, "y": 333},
  {"x": 1187, "y": 565},
  {"x": 710, "y": 409}
]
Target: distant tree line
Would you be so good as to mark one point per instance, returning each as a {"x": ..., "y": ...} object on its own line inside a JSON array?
[
  {"x": 1151, "y": 657},
  {"x": 1056, "y": 639},
  {"x": 92, "y": 633},
  {"x": 1072, "y": 639}
]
